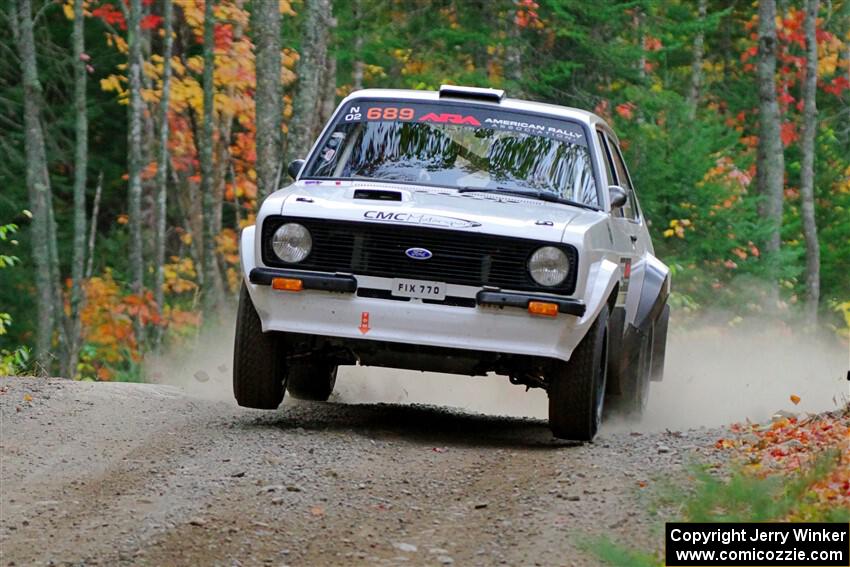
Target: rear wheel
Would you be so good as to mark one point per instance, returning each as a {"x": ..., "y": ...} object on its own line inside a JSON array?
[
  {"x": 259, "y": 374},
  {"x": 577, "y": 390},
  {"x": 312, "y": 379}
]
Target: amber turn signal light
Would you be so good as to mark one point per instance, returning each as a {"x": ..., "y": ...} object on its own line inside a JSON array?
[
  {"x": 287, "y": 284},
  {"x": 543, "y": 308}
]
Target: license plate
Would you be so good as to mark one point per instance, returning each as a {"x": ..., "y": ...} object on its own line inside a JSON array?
[{"x": 419, "y": 289}]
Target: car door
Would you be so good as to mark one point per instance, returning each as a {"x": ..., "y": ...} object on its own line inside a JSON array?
[
  {"x": 632, "y": 224},
  {"x": 625, "y": 231}
]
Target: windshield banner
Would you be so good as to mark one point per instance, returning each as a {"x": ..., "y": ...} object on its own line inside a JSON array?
[{"x": 463, "y": 115}]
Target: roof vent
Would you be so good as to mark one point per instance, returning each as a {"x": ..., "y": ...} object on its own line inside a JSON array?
[{"x": 476, "y": 93}]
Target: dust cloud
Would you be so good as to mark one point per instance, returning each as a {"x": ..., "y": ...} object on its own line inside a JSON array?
[
  {"x": 714, "y": 375},
  {"x": 202, "y": 366}
]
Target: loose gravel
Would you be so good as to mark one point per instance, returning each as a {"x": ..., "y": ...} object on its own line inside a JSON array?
[{"x": 121, "y": 474}]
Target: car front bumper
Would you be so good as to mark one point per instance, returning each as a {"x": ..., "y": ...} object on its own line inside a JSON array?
[{"x": 491, "y": 320}]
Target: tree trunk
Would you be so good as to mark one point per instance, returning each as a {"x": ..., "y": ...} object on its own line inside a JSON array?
[
  {"x": 268, "y": 97},
  {"x": 727, "y": 24},
  {"x": 213, "y": 291},
  {"x": 637, "y": 22},
  {"x": 222, "y": 157},
  {"x": 770, "y": 162},
  {"x": 359, "y": 66},
  {"x": 162, "y": 163},
  {"x": 191, "y": 209},
  {"x": 93, "y": 226},
  {"x": 61, "y": 321},
  {"x": 80, "y": 166},
  {"x": 514, "y": 52},
  {"x": 134, "y": 158},
  {"x": 328, "y": 96},
  {"x": 222, "y": 162},
  {"x": 38, "y": 187},
  {"x": 696, "y": 65},
  {"x": 807, "y": 175},
  {"x": 314, "y": 47}
]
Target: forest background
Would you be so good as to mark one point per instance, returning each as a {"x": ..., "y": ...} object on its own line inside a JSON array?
[{"x": 137, "y": 137}]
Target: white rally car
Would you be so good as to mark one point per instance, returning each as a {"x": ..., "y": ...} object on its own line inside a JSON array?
[{"x": 456, "y": 231}]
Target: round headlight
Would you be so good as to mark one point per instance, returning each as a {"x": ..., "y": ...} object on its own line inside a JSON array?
[
  {"x": 292, "y": 242},
  {"x": 549, "y": 266}
]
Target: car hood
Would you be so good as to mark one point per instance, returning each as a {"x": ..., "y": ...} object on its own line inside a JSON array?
[{"x": 425, "y": 206}]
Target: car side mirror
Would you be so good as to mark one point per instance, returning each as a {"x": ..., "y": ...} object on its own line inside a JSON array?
[
  {"x": 619, "y": 197},
  {"x": 294, "y": 168}
]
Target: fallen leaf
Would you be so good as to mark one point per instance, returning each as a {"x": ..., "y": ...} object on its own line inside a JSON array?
[
  {"x": 27, "y": 398},
  {"x": 317, "y": 511},
  {"x": 795, "y": 399}
]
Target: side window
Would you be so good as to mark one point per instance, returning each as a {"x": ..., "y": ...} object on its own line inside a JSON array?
[
  {"x": 609, "y": 165},
  {"x": 630, "y": 208},
  {"x": 606, "y": 159}
]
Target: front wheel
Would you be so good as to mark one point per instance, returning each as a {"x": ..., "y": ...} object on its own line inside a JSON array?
[
  {"x": 259, "y": 376},
  {"x": 577, "y": 388}
]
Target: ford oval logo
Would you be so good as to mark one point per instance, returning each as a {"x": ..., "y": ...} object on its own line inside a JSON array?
[{"x": 418, "y": 253}]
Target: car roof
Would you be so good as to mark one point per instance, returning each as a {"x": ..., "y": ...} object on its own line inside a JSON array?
[{"x": 576, "y": 114}]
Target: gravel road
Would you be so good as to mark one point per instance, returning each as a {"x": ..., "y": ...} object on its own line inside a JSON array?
[{"x": 116, "y": 473}]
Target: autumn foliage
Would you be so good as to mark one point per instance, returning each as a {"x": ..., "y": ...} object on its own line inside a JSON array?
[
  {"x": 790, "y": 445},
  {"x": 693, "y": 160}
]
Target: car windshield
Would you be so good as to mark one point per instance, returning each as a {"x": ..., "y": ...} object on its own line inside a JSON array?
[{"x": 457, "y": 146}]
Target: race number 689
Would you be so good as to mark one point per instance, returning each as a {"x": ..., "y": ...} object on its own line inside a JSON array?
[{"x": 389, "y": 113}]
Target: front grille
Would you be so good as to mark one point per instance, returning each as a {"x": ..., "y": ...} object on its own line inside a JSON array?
[{"x": 459, "y": 257}]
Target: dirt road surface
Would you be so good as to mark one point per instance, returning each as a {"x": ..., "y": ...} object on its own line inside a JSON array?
[{"x": 100, "y": 473}]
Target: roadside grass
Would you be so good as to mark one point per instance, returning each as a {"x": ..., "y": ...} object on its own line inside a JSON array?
[{"x": 810, "y": 484}]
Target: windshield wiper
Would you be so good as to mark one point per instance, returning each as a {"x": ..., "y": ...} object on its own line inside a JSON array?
[{"x": 533, "y": 193}]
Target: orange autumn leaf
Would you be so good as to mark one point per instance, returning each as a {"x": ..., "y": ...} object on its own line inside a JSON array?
[{"x": 790, "y": 444}]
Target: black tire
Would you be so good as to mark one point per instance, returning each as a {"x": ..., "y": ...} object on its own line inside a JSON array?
[
  {"x": 312, "y": 379},
  {"x": 577, "y": 390},
  {"x": 259, "y": 376},
  {"x": 634, "y": 394}
]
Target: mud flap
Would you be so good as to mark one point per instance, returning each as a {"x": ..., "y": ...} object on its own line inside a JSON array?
[
  {"x": 659, "y": 345},
  {"x": 653, "y": 294},
  {"x": 616, "y": 350}
]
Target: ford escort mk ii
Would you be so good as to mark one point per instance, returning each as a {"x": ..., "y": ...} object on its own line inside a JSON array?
[{"x": 456, "y": 231}]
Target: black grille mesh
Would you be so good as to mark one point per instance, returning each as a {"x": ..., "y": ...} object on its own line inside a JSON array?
[{"x": 459, "y": 257}]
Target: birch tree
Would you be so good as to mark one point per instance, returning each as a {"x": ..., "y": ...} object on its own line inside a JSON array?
[
  {"x": 134, "y": 146},
  {"x": 328, "y": 95},
  {"x": 222, "y": 160},
  {"x": 770, "y": 161},
  {"x": 359, "y": 65},
  {"x": 807, "y": 175},
  {"x": 38, "y": 186},
  {"x": 162, "y": 161},
  {"x": 213, "y": 291},
  {"x": 696, "y": 65},
  {"x": 514, "y": 53},
  {"x": 308, "y": 94},
  {"x": 265, "y": 21},
  {"x": 81, "y": 129}
]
